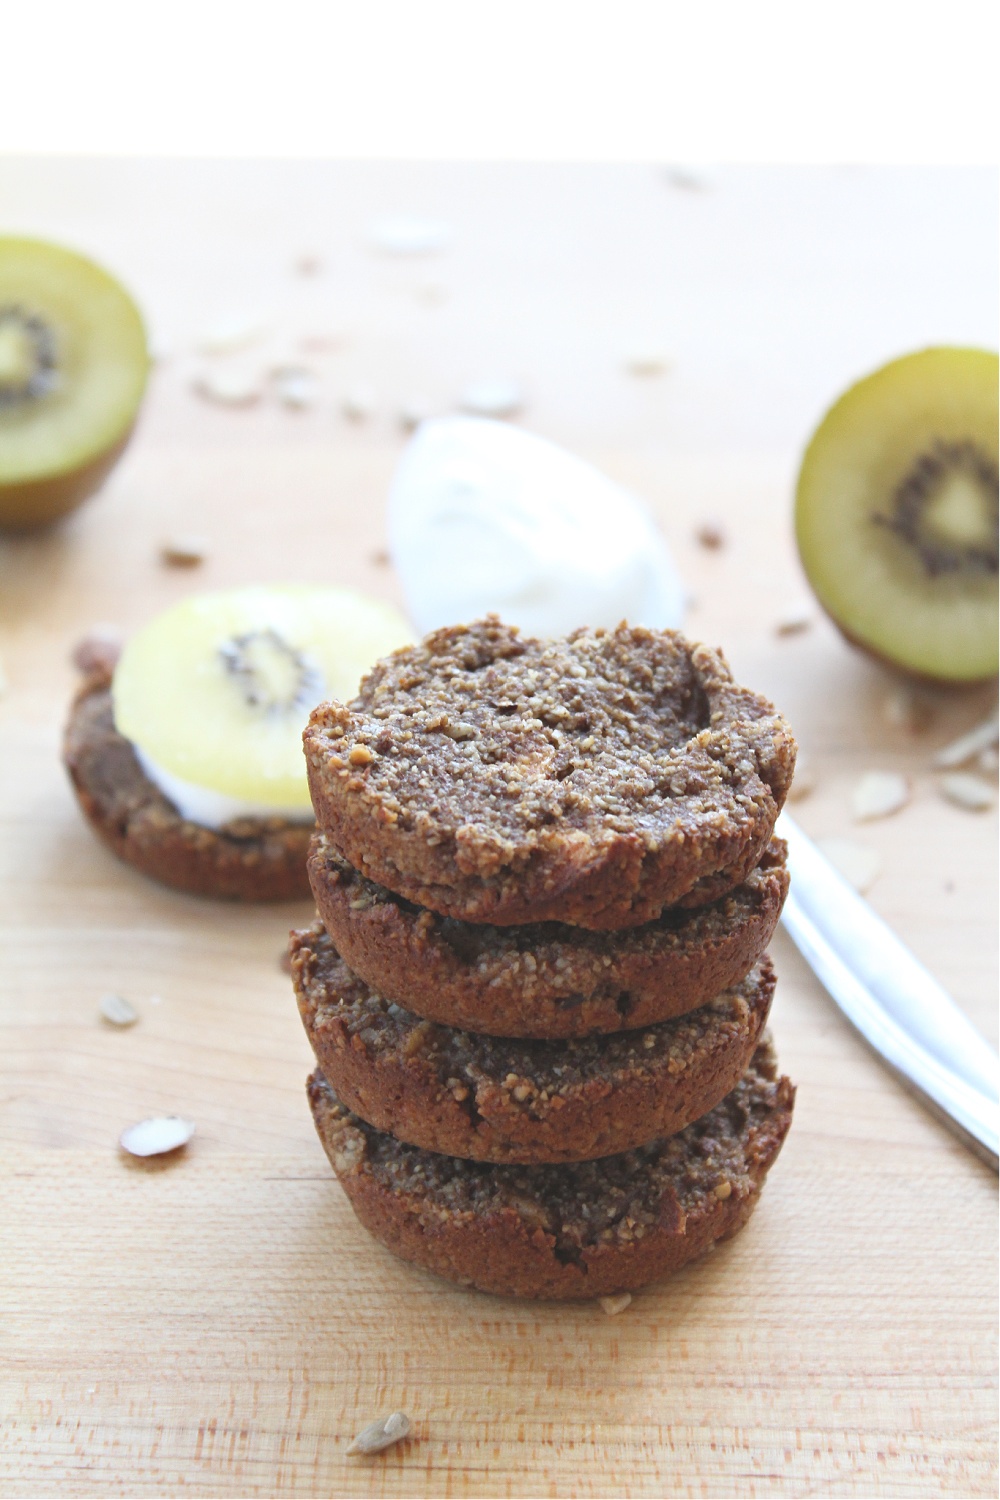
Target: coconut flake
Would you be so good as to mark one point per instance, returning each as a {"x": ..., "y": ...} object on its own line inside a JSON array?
[
  {"x": 878, "y": 794},
  {"x": 157, "y": 1136},
  {"x": 967, "y": 791},
  {"x": 493, "y": 397},
  {"x": 859, "y": 864},
  {"x": 967, "y": 745}
]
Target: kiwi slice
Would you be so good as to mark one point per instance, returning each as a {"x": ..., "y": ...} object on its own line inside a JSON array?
[
  {"x": 73, "y": 365},
  {"x": 896, "y": 513},
  {"x": 218, "y": 689}
]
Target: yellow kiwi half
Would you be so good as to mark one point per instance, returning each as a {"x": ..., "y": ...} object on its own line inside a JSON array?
[
  {"x": 896, "y": 513},
  {"x": 73, "y": 366}
]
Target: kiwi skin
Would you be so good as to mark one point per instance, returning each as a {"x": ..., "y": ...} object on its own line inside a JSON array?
[
  {"x": 32, "y": 504},
  {"x": 29, "y": 503},
  {"x": 946, "y": 385}
]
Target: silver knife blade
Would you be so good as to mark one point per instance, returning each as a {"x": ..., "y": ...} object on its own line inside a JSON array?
[{"x": 888, "y": 995}]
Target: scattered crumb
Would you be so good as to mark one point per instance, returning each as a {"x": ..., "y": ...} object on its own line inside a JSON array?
[
  {"x": 859, "y": 864},
  {"x": 431, "y": 293},
  {"x": 878, "y": 794},
  {"x": 228, "y": 387},
  {"x": 157, "y": 1136},
  {"x": 99, "y": 650},
  {"x": 712, "y": 535},
  {"x": 967, "y": 791},
  {"x": 381, "y": 1434},
  {"x": 380, "y": 557},
  {"x": 982, "y": 737},
  {"x": 405, "y": 234},
  {"x": 906, "y": 709},
  {"x": 118, "y": 1011},
  {"x": 358, "y": 403},
  {"x": 184, "y": 551},
  {"x": 413, "y": 412},
  {"x": 493, "y": 398},
  {"x": 616, "y": 1304},
  {"x": 229, "y": 334},
  {"x": 795, "y": 618},
  {"x": 296, "y": 387},
  {"x": 804, "y": 780},
  {"x": 647, "y": 363}
]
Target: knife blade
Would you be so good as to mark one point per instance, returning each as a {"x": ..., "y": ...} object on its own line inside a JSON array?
[{"x": 890, "y": 998}]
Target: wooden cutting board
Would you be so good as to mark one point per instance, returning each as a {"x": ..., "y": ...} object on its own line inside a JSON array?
[{"x": 219, "y": 1324}]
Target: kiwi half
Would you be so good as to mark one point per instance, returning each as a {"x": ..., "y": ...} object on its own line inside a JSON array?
[
  {"x": 73, "y": 366},
  {"x": 896, "y": 513}
]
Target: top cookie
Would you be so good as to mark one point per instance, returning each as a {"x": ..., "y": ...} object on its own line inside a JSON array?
[{"x": 593, "y": 780}]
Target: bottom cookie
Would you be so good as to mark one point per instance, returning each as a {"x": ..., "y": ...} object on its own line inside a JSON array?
[{"x": 578, "y": 1230}]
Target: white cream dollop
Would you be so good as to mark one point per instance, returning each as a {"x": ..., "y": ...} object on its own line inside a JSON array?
[
  {"x": 486, "y": 517},
  {"x": 199, "y": 804}
]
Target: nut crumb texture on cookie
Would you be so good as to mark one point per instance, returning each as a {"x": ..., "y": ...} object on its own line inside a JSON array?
[{"x": 592, "y": 780}]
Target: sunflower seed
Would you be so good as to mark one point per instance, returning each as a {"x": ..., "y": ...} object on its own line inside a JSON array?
[
  {"x": 878, "y": 794},
  {"x": 405, "y": 234},
  {"x": 967, "y": 791},
  {"x": 859, "y": 865},
  {"x": 228, "y": 387},
  {"x": 615, "y": 1304},
  {"x": 118, "y": 1011},
  {"x": 494, "y": 397},
  {"x": 183, "y": 551},
  {"x": 381, "y": 1434},
  {"x": 157, "y": 1136},
  {"x": 967, "y": 745}
]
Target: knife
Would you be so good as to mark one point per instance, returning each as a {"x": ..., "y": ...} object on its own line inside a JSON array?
[{"x": 890, "y": 998}]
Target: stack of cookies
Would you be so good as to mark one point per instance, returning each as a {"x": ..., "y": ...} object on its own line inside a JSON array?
[{"x": 537, "y": 990}]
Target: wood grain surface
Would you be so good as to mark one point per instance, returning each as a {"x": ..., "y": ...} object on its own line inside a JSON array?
[{"x": 218, "y": 1323}]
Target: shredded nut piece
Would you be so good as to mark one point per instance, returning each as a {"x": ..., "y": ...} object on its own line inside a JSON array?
[
  {"x": 878, "y": 794},
  {"x": 967, "y": 791},
  {"x": 615, "y": 1304},
  {"x": 967, "y": 745},
  {"x": 381, "y": 1434}
]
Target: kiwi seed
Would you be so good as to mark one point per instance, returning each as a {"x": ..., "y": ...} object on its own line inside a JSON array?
[
  {"x": 271, "y": 674},
  {"x": 936, "y": 538},
  {"x": 28, "y": 365}
]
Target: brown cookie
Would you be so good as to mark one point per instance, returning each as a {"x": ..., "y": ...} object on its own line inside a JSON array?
[
  {"x": 585, "y": 1229},
  {"x": 506, "y": 1100},
  {"x": 593, "y": 780},
  {"x": 545, "y": 979},
  {"x": 253, "y": 859}
]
